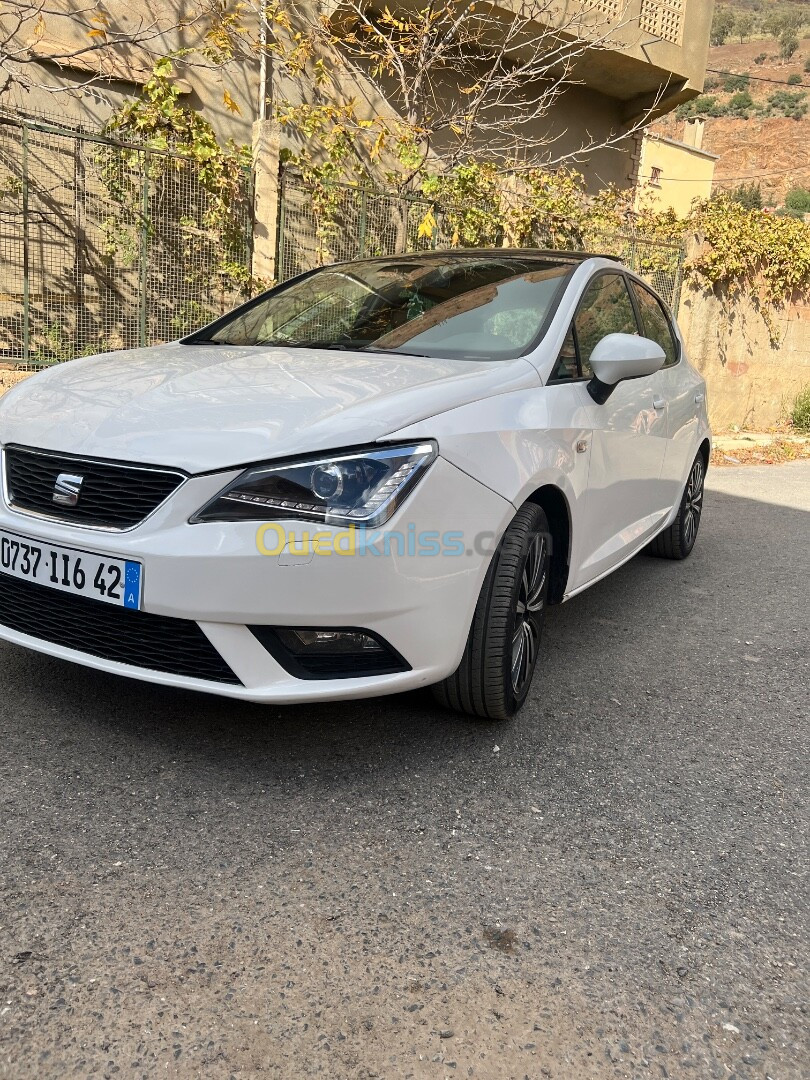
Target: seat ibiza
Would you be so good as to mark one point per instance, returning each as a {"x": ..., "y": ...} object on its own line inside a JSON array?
[{"x": 373, "y": 477}]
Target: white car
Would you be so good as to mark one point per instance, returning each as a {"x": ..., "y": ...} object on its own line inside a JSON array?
[{"x": 371, "y": 478}]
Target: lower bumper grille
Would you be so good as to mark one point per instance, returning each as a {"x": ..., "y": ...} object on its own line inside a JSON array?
[{"x": 176, "y": 646}]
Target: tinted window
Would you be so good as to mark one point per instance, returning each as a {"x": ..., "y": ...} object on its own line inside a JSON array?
[
  {"x": 567, "y": 367},
  {"x": 605, "y": 309},
  {"x": 486, "y": 307},
  {"x": 655, "y": 324}
]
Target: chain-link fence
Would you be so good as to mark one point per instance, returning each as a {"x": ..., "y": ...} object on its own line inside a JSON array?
[
  {"x": 349, "y": 222},
  {"x": 355, "y": 222},
  {"x": 104, "y": 245},
  {"x": 108, "y": 246}
]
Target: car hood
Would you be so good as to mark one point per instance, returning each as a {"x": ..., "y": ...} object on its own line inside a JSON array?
[{"x": 201, "y": 407}]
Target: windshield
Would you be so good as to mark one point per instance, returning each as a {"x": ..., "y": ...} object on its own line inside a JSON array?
[{"x": 486, "y": 307}]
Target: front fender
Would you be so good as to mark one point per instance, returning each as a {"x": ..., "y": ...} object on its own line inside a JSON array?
[{"x": 516, "y": 443}]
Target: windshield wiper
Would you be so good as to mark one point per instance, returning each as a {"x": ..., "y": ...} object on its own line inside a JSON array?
[
  {"x": 334, "y": 345},
  {"x": 306, "y": 345},
  {"x": 398, "y": 352}
]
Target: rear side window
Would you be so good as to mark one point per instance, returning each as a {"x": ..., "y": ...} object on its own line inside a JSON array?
[
  {"x": 605, "y": 308},
  {"x": 655, "y": 324}
]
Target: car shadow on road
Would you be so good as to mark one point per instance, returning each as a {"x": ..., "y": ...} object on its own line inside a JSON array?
[{"x": 616, "y": 644}]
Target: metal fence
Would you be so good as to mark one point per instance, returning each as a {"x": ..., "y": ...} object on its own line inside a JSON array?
[
  {"x": 363, "y": 222},
  {"x": 107, "y": 246}
]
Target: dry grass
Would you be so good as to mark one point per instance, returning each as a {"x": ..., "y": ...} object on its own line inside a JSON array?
[{"x": 775, "y": 453}]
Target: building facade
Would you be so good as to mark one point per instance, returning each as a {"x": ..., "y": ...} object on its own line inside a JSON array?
[
  {"x": 675, "y": 172},
  {"x": 650, "y": 57}
]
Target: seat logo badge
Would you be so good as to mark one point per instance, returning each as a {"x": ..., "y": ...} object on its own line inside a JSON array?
[{"x": 67, "y": 489}]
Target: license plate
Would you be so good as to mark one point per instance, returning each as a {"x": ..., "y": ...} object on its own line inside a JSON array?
[{"x": 83, "y": 573}]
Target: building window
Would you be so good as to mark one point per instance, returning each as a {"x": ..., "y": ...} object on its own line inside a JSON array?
[{"x": 655, "y": 176}]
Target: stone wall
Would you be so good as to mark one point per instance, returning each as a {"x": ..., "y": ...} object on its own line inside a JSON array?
[{"x": 750, "y": 381}]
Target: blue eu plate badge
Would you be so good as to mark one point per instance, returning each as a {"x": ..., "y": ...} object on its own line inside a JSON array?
[{"x": 132, "y": 585}]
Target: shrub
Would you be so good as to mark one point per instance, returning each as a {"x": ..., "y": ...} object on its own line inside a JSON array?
[
  {"x": 798, "y": 198},
  {"x": 785, "y": 103},
  {"x": 739, "y": 104},
  {"x": 705, "y": 105},
  {"x": 795, "y": 79},
  {"x": 800, "y": 413},
  {"x": 807, "y": 64},
  {"x": 747, "y": 195},
  {"x": 770, "y": 254},
  {"x": 731, "y": 83},
  {"x": 760, "y": 58},
  {"x": 788, "y": 44}
]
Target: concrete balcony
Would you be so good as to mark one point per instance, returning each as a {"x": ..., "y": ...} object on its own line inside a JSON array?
[
  {"x": 658, "y": 46},
  {"x": 649, "y": 50}
]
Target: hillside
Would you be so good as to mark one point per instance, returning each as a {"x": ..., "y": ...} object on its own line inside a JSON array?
[{"x": 762, "y": 134}]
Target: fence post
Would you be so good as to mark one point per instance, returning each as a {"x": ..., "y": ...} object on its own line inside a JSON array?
[
  {"x": 79, "y": 244},
  {"x": 266, "y": 152},
  {"x": 26, "y": 252},
  {"x": 144, "y": 253},
  {"x": 677, "y": 282},
  {"x": 361, "y": 240}
]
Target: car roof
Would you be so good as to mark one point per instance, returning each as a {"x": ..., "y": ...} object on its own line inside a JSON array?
[{"x": 544, "y": 253}]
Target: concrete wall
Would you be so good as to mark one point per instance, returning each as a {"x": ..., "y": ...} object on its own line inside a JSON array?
[
  {"x": 751, "y": 383},
  {"x": 155, "y": 25}
]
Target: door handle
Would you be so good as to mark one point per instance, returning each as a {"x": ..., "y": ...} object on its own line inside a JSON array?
[
  {"x": 659, "y": 403},
  {"x": 699, "y": 399}
]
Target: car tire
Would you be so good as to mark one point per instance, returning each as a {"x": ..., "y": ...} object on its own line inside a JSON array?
[
  {"x": 496, "y": 671},
  {"x": 677, "y": 541}
]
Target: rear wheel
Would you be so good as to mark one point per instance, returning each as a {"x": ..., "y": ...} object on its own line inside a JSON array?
[
  {"x": 677, "y": 541},
  {"x": 496, "y": 671}
]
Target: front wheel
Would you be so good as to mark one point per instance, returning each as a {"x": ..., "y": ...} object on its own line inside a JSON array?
[
  {"x": 677, "y": 541},
  {"x": 496, "y": 671}
]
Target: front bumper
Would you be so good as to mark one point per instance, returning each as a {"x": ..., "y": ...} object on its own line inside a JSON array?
[{"x": 214, "y": 574}]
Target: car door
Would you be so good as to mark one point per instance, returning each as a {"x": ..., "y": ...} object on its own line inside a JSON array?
[
  {"x": 679, "y": 387},
  {"x": 624, "y": 502}
]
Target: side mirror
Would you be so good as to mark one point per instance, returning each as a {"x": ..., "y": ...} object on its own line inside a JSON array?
[{"x": 622, "y": 356}]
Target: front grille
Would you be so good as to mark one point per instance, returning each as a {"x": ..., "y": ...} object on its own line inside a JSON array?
[
  {"x": 177, "y": 646},
  {"x": 112, "y": 495}
]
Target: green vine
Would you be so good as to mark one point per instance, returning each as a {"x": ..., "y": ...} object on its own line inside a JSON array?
[
  {"x": 470, "y": 204},
  {"x": 159, "y": 121},
  {"x": 752, "y": 248}
]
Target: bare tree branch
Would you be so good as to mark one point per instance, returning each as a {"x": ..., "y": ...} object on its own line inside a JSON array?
[
  {"x": 472, "y": 80},
  {"x": 449, "y": 81},
  {"x": 34, "y": 33}
]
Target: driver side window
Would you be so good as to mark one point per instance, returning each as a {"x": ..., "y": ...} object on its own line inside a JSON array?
[{"x": 605, "y": 308}]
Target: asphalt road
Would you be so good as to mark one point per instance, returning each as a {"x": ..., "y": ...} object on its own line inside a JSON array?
[{"x": 613, "y": 885}]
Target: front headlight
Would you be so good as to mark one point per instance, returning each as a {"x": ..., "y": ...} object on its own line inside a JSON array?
[{"x": 359, "y": 487}]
